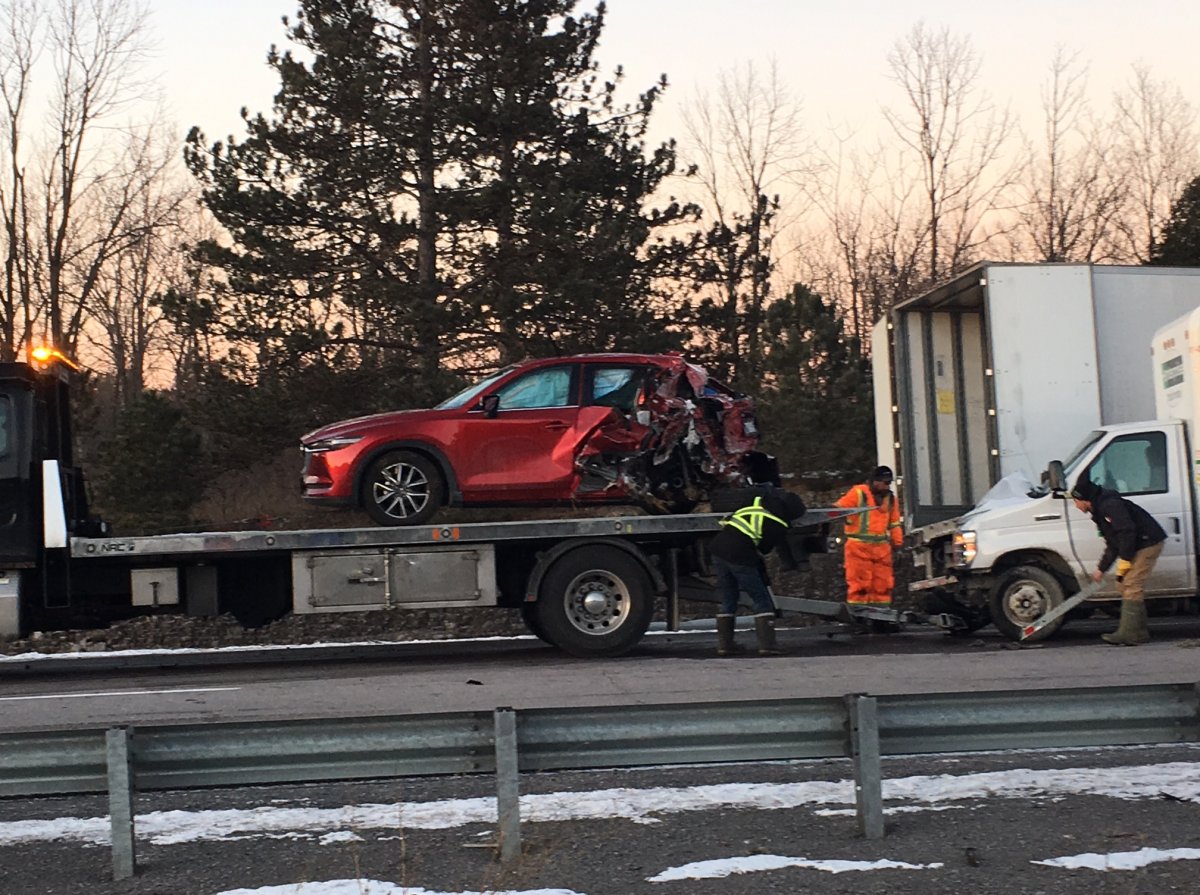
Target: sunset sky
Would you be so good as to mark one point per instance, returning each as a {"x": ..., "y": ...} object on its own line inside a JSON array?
[{"x": 833, "y": 56}]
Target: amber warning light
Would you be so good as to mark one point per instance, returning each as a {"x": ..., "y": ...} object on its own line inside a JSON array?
[{"x": 43, "y": 355}]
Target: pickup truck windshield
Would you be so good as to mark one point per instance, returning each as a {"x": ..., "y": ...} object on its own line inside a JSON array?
[{"x": 1076, "y": 455}]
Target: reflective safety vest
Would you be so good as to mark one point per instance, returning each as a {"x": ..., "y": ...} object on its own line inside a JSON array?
[
  {"x": 879, "y": 525},
  {"x": 749, "y": 520}
]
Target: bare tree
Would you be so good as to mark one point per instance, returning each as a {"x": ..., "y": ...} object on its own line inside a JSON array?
[
  {"x": 85, "y": 194},
  {"x": 957, "y": 139},
  {"x": 747, "y": 142},
  {"x": 1074, "y": 191},
  {"x": 873, "y": 233},
  {"x": 126, "y": 274},
  {"x": 1156, "y": 132},
  {"x": 97, "y": 47},
  {"x": 18, "y": 53}
]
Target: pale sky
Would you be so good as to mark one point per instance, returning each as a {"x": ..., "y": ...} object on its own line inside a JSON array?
[{"x": 831, "y": 55}]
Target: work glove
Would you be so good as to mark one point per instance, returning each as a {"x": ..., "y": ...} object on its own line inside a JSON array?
[{"x": 1123, "y": 567}]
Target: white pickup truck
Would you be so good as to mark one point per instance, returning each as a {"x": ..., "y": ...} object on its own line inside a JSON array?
[{"x": 1025, "y": 548}]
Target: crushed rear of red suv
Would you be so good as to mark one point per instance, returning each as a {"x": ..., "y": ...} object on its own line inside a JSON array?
[{"x": 645, "y": 429}]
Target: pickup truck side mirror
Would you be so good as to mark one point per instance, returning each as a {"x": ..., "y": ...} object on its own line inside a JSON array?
[
  {"x": 1056, "y": 479},
  {"x": 491, "y": 405}
]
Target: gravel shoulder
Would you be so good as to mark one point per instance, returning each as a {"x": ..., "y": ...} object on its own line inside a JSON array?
[{"x": 985, "y": 845}]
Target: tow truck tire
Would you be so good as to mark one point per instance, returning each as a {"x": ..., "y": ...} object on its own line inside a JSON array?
[
  {"x": 595, "y": 602},
  {"x": 402, "y": 488},
  {"x": 1022, "y": 596},
  {"x": 529, "y": 615}
]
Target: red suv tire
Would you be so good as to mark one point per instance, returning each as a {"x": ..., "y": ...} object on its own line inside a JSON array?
[{"x": 402, "y": 488}]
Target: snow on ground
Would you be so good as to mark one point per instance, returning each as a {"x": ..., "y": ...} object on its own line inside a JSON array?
[
  {"x": 333, "y": 826},
  {"x": 373, "y": 887},
  {"x": 757, "y": 863},
  {"x": 25, "y": 658},
  {"x": 1180, "y": 780},
  {"x": 1124, "y": 860}
]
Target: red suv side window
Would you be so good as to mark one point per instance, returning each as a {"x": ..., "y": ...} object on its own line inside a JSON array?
[
  {"x": 614, "y": 386},
  {"x": 548, "y": 387}
]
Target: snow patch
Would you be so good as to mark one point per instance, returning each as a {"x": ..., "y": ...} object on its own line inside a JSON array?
[
  {"x": 339, "y": 836},
  {"x": 1178, "y": 779},
  {"x": 373, "y": 887},
  {"x": 722, "y": 867},
  {"x": 899, "y": 809},
  {"x": 1124, "y": 860}
]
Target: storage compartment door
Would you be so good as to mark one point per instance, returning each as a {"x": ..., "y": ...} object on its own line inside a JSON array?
[{"x": 422, "y": 578}]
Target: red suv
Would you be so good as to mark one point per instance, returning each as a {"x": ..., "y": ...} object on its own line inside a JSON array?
[{"x": 646, "y": 429}]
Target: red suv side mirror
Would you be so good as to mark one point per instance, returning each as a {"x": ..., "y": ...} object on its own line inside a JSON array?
[{"x": 491, "y": 405}]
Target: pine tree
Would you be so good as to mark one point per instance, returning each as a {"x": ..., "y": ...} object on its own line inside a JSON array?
[
  {"x": 444, "y": 176},
  {"x": 152, "y": 469},
  {"x": 816, "y": 389},
  {"x": 735, "y": 260},
  {"x": 1180, "y": 242}
]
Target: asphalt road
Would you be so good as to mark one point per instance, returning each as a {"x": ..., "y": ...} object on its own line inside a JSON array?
[{"x": 668, "y": 668}]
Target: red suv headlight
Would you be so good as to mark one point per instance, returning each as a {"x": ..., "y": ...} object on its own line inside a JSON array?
[{"x": 331, "y": 444}]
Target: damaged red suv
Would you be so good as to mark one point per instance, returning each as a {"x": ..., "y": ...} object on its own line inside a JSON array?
[{"x": 643, "y": 429}]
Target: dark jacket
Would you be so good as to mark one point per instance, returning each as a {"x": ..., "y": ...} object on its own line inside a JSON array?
[
  {"x": 737, "y": 549},
  {"x": 1125, "y": 526}
]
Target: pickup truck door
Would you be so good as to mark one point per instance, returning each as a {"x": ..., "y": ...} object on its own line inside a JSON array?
[{"x": 1150, "y": 468}]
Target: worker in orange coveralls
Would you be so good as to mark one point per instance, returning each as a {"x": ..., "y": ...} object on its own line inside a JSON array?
[{"x": 870, "y": 537}]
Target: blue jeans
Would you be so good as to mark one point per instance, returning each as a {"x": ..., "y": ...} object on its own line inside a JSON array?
[{"x": 732, "y": 580}]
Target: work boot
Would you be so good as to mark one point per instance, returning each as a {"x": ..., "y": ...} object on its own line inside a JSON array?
[
  {"x": 764, "y": 627},
  {"x": 725, "y": 628},
  {"x": 1131, "y": 630}
]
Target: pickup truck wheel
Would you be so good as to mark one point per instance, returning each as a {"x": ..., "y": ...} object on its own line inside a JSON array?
[
  {"x": 402, "y": 488},
  {"x": 595, "y": 602},
  {"x": 1022, "y": 596}
]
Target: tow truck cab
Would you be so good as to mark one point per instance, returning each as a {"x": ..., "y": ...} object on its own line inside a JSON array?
[{"x": 36, "y": 454}]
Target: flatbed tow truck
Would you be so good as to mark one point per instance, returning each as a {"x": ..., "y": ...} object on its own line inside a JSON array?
[{"x": 590, "y": 586}]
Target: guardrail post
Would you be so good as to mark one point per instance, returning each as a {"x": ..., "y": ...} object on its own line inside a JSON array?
[
  {"x": 508, "y": 804},
  {"x": 674, "y": 612},
  {"x": 120, "y": 800},
  {"x": 868, "y": 773}
]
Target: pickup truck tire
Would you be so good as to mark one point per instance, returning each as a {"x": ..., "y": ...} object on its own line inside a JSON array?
[
  {"x": 1022, "y": 595},
  {"x": 595, "y": 602}
]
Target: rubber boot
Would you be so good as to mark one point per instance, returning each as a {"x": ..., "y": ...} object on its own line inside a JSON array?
[
  {"x": 1131, "y": 630},
  {"x": 725, "y": 629},
  {"x": 764, "y": 627}
]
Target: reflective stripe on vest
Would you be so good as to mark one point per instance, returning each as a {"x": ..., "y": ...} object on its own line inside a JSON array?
[
  {"x": 858, "y": 522},
  {"x": 749, "y": 520},
  {"x": 855, "y": 524}
]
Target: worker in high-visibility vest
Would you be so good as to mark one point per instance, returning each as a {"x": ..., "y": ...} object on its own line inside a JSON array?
[
  {"x": 747, "y": 535},
  {"x": 870, "y": 537}
]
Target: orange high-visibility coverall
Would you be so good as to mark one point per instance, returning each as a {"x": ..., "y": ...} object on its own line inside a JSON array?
[{"x": 870, "y": 538}]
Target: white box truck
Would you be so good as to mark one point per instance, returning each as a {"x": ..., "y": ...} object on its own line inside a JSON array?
[
  {"x": 1025, "y": 548},
  {"x": 1000, "y": 369}
]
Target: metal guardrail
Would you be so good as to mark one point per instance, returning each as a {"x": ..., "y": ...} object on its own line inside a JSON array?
[{"x": 504, "y": 742}]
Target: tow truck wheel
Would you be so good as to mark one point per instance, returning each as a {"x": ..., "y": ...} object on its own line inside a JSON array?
[
  {"x": 402, "y": 488},
  {"x": 529, "y": 615},
  {"x": 595, "y": 602},
  {"x": 1022, "y": 596}
]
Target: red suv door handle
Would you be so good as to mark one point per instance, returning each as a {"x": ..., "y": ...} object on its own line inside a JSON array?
[{"x": 557, "y": 426}]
